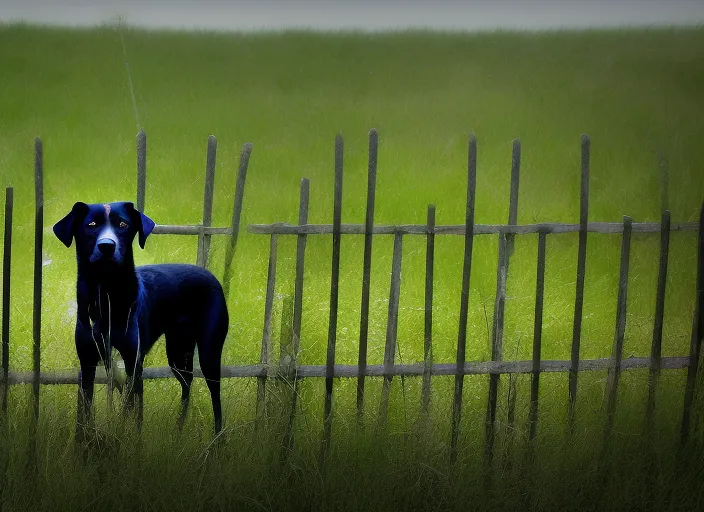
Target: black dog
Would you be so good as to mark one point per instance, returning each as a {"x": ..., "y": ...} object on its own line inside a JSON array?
[{"x": 130, "y": 308}]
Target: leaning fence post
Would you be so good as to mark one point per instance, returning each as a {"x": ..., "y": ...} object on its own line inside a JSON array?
[
  {"x": 286, "y": 374},
  {"x": 203, "y": 237},
  {"x": 285, "y": 370},
  {"x": 496, "y": 355},
  {"x": 513, "y": 219},
  {"x": 537, "y": 334},
  {"x": 297, "y": 310},
  {"x": 141, "y": 169},
  {"x": 236, "y": 213},
  {"x": 334, "y": 282},
  {"x": 614, "y": 372},
  {"x": 266, "y": 335},
  {"x": 697, "y": 333},
  {"x": 6, "y": 260},
  {"x": 464, "y": 300},
  {"x": 38, "y": 232},
  {"x": 391, "y": 329},
  {"x": 656, "y": 348},
  {"x": 4, "y": 385},
  {"x": 579, "y": 292},
  {"x": 300, "y": 264},
  {"x": 504, "y": 252},
  {"x": 366, "y": 271}
]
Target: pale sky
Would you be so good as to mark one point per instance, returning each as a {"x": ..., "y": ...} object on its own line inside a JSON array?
[{"x": 358, "y": 14}]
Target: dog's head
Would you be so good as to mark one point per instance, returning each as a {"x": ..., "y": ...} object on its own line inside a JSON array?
[{"x": 103, "y": 232}]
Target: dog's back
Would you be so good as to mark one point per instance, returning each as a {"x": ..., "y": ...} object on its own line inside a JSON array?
[{"x": 183, "y": 298}]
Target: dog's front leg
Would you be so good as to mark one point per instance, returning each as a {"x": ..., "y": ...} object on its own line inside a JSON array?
[
  {"x": 139, "y": 391},
  {"x": 84, "y": 407},
  {"x": 88, "y": 350},
  {"x": 134, "y": 362}
]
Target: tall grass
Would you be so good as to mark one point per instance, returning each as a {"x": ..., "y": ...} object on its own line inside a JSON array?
[{"x": 403, "y": 467}]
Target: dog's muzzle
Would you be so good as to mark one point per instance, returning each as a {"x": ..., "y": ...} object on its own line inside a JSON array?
[{"x": 106, "y": 248}]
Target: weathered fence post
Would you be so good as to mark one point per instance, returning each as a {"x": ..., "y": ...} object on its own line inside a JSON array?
[
  {"x": 664, "y": 181},
  {"x": 285, "y": 369},
  {"x": 141, "y": 169},
  {"x": 391, "y": 330},
  {"x": 510, "y": 237},
  {"x": 38, "y": 233},
  {"x": 579, "y": 292},
  {"x": 286, "y": 352},
  {"x": 513, "y": 200},
  {"x": 537, "y": 334},
  {"x": 614, "y": 373},
  {"x": 4, "y": 385},
  {"x": 697, "y": 333},
  {"x": 6, "y": 266},
  {"x": 656, "y": 348},
  {"x": 496, "y": 355},
  {"x": 334, "y": 291},
  {"x": 505, "y": 250},
  {"x": 203, "y": 237},
  {"x": 236, "y": 214},
  {"x": 464, "y": 300},
  {"x": 366, "y": 271},
  {"x": 428, "y": 332},
  {"x": 300, "y": 264},
  {"x": 266, "y": 335},
  {"x": 297, "y": 310}
]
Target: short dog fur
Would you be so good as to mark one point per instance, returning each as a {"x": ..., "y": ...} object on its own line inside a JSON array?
[{"x": 130, "y": 308}]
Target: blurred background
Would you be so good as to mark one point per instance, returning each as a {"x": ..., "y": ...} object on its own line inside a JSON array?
[{"x": 359, "y": 14}]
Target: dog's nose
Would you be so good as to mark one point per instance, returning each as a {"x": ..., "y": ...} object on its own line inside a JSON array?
[{"x": 106, "y": 247}]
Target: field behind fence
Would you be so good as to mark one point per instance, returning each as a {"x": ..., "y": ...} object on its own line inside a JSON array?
[{"x": 286, "y": 366}]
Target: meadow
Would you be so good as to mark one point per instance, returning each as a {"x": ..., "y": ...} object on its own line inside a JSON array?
[{"x": 636, "y": 93}]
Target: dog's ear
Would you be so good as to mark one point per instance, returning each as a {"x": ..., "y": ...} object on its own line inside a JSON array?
[
  {"x": 65, "y": 229},
  {"x": 144, "y": 224}
]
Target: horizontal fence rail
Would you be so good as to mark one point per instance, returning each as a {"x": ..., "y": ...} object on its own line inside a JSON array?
[
  {"x": 377, "y": 370},
  {"x": 282, "y": 228}
]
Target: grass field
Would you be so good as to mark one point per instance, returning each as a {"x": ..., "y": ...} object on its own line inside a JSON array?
[{"x": 636, "y": 93}]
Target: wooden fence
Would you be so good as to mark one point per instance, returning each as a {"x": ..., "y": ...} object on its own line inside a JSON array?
[{"x": 288, "y": 366}]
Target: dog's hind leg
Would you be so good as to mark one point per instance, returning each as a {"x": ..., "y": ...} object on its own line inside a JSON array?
[
  {"x": 211, "y": 373},
  {"x": 209, "y": 353},
  {"x": 179, "y": 351}
]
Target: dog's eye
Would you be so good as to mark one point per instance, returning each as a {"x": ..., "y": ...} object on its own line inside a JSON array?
[
  {"x": 123, "y": 224},
  {"x": 92, "y": 224}
]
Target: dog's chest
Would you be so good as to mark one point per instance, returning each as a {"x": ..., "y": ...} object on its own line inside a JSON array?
[{"x": 113, "y": 320}]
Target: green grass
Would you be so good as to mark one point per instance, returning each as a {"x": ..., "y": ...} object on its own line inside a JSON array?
[{"x": 635, "y": 92}]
